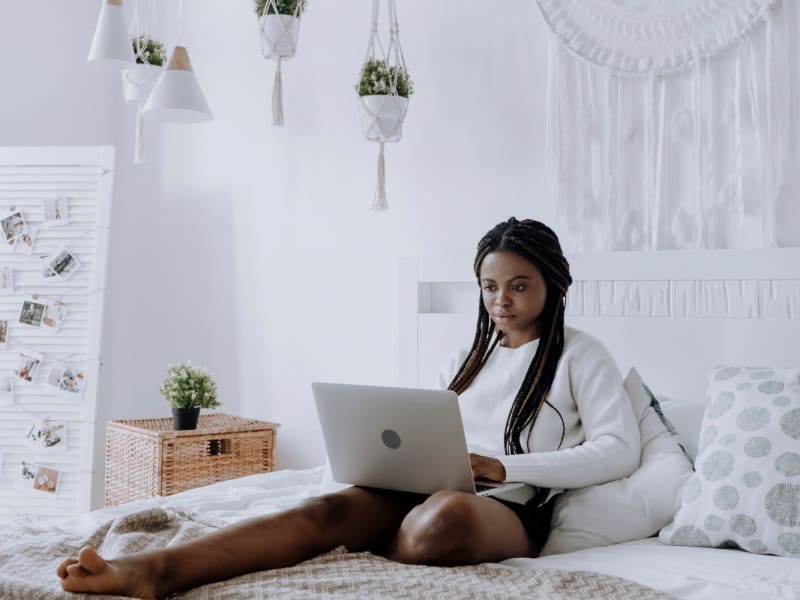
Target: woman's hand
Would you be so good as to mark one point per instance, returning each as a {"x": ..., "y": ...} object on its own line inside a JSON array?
[{"x": 484, "y": 467}]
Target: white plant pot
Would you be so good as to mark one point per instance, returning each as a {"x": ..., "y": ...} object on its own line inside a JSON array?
[
  {"x": 382, "y": 117},
  {"x": 279, "y": 35},
  {"x": 137, "y": 81}
]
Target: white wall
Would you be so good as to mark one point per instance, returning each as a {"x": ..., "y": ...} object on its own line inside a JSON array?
[{"x": 314, "y": 268}]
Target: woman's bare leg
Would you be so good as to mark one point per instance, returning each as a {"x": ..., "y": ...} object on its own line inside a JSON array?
[
  {"x": 357, "y": 518},
  {"x": 454, "y": 528}
]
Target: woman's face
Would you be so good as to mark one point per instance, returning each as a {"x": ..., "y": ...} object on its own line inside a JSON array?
[{"x": 514, "y": 294}]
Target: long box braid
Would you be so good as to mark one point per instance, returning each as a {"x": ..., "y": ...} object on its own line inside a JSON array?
[{"x": 537, "y": 243}]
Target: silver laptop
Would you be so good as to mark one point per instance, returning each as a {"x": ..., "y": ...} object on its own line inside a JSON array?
[{"x": 405, "y": 439}]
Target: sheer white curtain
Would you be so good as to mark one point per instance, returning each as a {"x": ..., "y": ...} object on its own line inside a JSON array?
[{"x": 672, "y": 123}]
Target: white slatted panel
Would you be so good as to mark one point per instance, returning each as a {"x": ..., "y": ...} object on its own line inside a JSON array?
[{"x": 27, "y": 176}]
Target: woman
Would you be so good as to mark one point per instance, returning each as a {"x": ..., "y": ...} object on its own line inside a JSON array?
[{"x": 541, "y": 403}]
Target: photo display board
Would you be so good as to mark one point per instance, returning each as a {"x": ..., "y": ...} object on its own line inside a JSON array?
[{"x": 55, "y": 207}]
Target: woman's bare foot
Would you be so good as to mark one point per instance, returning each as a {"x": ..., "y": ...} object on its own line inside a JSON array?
[{"x": 135, "y": 575}]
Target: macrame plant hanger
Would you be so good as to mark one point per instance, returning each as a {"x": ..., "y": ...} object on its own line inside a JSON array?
[
  {"x": 382, "y": 115},
  {"x": 279, "y": 34},
  {"x": 138, "y": 80}
]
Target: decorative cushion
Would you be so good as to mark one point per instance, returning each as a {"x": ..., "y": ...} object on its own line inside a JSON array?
[
  {"x": 746, "y": 490},
  {"x": 627, "y": 509}
]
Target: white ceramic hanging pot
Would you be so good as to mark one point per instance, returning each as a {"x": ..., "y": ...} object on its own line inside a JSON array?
[
  {"x": 279, "y": 35},
  {"x": 137, "y": 81},
  {"x": 382, "y": 117}
]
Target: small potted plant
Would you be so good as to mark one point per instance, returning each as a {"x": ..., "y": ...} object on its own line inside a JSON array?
[
  {"x": 150, "y": 56},
  {"x": 188, "y": 389},
  {"x": 279, "y": 22},
  {"x": 384, "y": 92}
]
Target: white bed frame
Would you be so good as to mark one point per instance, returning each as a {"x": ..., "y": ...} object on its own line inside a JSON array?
[{"x": 672, "y": 314}]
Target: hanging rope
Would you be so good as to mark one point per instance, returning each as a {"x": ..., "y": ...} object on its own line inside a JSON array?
[
  {"x": 138, "y": 152},
  {"x": 383, "y": 91},
  {"x": 277, "y": 95},
  {"x": 139, "y": 79},
  {"x": 279, "y": 34},
  {"x": 380, "y": 203}
]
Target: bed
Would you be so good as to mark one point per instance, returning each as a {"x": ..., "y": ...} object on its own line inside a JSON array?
[{"x": 672, "y": 315}]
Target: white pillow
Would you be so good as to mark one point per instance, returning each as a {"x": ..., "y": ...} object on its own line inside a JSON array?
[
  {"x": 627, "y": 509},
  {"x": 746, "y": 491},
  {"x": 686, "y": 417}
]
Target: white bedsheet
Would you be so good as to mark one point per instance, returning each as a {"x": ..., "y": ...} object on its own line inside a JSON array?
[{"x": 690, "y": 573}]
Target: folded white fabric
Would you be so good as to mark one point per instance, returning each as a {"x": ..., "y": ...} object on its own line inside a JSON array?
[{"x": 631, "y": 508}]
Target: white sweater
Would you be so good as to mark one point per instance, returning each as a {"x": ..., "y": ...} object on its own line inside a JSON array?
[{"x": 601, "y": 441}]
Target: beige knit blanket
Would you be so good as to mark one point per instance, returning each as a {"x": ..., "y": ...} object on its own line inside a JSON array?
[{"x": 30, "y": 553}]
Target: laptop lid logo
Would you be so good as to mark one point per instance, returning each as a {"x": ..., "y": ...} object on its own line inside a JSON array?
[{"x": 390, "y": 439}]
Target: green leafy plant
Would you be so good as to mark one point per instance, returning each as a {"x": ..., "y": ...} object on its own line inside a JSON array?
[
  {"x": 377, "y": 78},
  {"x": 187, "y": 386},
  {"x": 285, "y": 7},
  {"x": 148, "y": 51}
]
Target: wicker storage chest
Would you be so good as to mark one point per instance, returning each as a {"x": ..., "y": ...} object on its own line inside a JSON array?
[{"x": 146, "y": 457}]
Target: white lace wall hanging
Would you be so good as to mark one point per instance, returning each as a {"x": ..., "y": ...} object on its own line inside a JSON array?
[
  {"x": 668, "y": 123},
  {"x": 279, "y": 25},
  {"x": 383, "y": 91}
]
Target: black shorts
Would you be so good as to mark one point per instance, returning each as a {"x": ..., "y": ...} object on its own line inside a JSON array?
[{"x": 535, "y": 517}]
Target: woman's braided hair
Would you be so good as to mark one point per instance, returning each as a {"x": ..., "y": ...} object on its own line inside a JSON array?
[{"x": 538, "y": 244}]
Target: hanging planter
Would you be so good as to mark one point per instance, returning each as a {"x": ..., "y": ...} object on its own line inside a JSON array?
[
  {"x": 383, "y": 113},
  {"x": 138, "y": 80},
  {"x": 279, "y": 24},
  {"x": 383, "y": 89}
]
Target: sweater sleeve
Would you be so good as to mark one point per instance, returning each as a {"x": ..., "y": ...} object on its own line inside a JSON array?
[{"x": 611, "y": 449}]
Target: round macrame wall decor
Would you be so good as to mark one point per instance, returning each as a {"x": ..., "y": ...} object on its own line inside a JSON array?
[
  {"x": 641, "y": 36},
  {"x": 279, "y": 27},
  {"x": 668, "y": 122},
  {"x": 383, "y": 91}
]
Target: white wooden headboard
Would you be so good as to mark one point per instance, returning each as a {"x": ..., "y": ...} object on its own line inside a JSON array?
[{"x": 673, "y": 315}]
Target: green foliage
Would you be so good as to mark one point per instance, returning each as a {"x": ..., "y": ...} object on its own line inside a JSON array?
[
  {"x": 377, "y": 78},
  {"x": 189, "y": 387},
  {"x": 285, "y": 7},
  {"x": 148, "y": 51}
]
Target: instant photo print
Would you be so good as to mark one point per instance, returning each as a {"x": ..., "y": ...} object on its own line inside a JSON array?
[
  {"x": 32, "y": 312},
  {"x": 46, "y": 480},
  {"x": 3, "y": 334},
  {"x": 32, "y": 476},
  {"x": 55, "y": 211},
  {"x": 54, "y": 314},
  {"x": 25, "y": 241},
  {"x": 47, "y": 434},
  {"x": 66, "y": 380},
  {"x": 13, "y": 225},
  {"x": 28, "y": 364},
  {"x": 64, "y": 264}
]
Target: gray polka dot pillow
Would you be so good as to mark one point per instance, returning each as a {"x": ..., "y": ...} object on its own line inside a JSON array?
[{"x": 745, "y": 492}]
